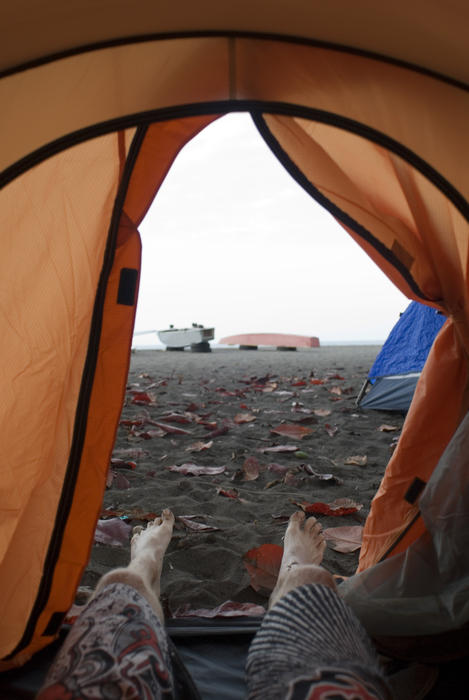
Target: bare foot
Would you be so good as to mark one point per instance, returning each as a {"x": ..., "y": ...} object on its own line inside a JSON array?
[
  {"x": 147, "y": 550},
  {"x": 302, "y": 553},
  {"x": 304, "y": 542},
  {"x": 157, "y": 535}
]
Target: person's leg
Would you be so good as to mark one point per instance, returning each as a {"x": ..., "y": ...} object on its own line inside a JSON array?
[
  {"x": 310, "y": 644},
  {"x": 118, "y": 646}
]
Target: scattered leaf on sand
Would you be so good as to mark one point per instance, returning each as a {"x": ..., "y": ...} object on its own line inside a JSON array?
[
  {"x": 130, "y": 452},
  {"x": 199, "y": 446},
  {"x": 218, "y": 431},
  {"x": 244, "y": 418},
  {"x": 344, "y": 539},
  {"x": 331, "y": 430},
  {"x": 341, "y": 506},
  {"x": 142, "y": 398},
  {"x": 191, "y": 469},
  {"x": 278, "y": 448},
  {"x": 171, "y": 429},
  {"x": 263, "y": 564},
  {"x": 122, "y": 463},
  {"x": 336, "y": 390},
  {"x": 278, "y": 468},
  {"x": 293, "y": 430},
  {"x": 114, "y": 532},
  {"x": 227, "y": 609},
  {"x": 251, "y": 468},
  {"x": 357, "y": 460},
  {"x": 195, "y": 526},
  {"x": 323, "y": 412},
  {"x": 320, "y": 475},
  {"x": 387, "y": 428},
  {"x": 228, "y": 493},
  {"x": 177, "y": 418}
]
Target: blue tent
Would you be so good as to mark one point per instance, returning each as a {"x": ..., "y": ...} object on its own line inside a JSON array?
[{"x": 392, "y": 379}]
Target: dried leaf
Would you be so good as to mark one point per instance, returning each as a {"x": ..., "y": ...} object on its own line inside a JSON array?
[
  {"x": 278, "y": 468},
  {"x": 319, "y": 475},
  {"x": 199, "y": 446},
  {"x": 218, "y": 431},
  {"x": 279, "y": 448},
  {"x": 251, "y": 468},
  {"x": 323, "y": 412},
  {"x": 387, "y": 428},
  {"x": 244, "y": 418},
  {"x": 341, "y": 506},
  {"x": 344, "y": 539},
  {"x": 122, "y": 463},
  {"x": 228, "y": 609},
  {"x": 142, "y": 398},
  {"x": 177, "y": 418},
  {"x": 263, "y": 564},
  {"x": 331, "y": 430},
  {"x": 130, "y": 452},
  {"x": 228, "y": 493},
  {"x": 357, "y": 460},
  {"x": 197, "y": 527},
  {"x": 335, "y": 390},
  {"x": 316, "y": 381},
  {"x": 114, "y": 532},
  {"x": 292, "y": 430},
  {"x": 171, "y": 429},
  {"x": 191, "y": 469}
]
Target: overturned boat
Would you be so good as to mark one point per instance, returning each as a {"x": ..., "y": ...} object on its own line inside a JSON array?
[{"x": 197, "y": 338}]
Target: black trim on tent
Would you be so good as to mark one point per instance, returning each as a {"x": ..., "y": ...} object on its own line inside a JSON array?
[
  {"x": 224, "y": 107},
  {"x": 233, "y": 34},
  {"x": 81, "y": 416},
  {"x": 338, "y": 213}
]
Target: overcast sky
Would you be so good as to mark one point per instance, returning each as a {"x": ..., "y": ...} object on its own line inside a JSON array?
[{"x": 231, "y": 241}]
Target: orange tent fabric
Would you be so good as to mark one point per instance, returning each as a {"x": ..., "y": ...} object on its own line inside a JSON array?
[{"x": 366, "y": 105}]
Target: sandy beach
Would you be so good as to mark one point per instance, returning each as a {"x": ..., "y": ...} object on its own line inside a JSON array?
[{"x": 226, "y": 410}]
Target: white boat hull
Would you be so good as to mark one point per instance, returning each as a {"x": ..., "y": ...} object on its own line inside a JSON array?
[{"x": 184, "y": 337}]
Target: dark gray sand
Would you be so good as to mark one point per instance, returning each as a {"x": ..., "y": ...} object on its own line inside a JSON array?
[{"x": 268, "y": 388}]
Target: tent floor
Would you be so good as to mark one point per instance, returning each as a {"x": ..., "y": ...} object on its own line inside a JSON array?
[{"x": 216, "y": 664}]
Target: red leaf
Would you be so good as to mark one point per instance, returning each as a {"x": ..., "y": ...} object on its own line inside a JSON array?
[
  {"x": 219, "y": 431},
  {"x": 292, "y": 430},
  {"x": 300, "y": 382},
  {"x": 228, "y": 493},
  {"x": 251, "y": 468},
  {"x": 116, "y": 462},
  {"x": 263, "y": 565},
  {"x": 341, "y": 506},
  {"x": 331, "y": 430},
  {"x": 228, "y": 609},
  {"x": 142, "y": 398},
  {"x": 316, "y": 381},
  {"x": 195, "y": 470}
]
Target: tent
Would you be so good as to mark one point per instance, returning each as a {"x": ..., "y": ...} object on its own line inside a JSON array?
[
  {"x": 367, "y": 106},
  {"x": 392, "y": 379}
]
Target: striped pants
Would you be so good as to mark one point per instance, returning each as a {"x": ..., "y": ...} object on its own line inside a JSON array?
[{"x": 310, "y": 647}]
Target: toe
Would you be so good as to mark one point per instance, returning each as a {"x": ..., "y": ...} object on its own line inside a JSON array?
[
  {"x": 313, "y": 526},
  {"x": 167, "y": 514},
  {"x": 136, "y": 531}
]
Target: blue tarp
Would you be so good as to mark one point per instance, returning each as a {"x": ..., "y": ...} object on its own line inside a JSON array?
[{"x": 409, "y": 342}]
